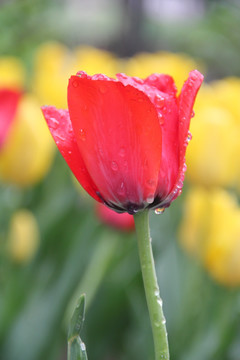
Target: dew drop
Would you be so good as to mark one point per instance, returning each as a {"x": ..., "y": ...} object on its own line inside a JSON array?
[
  {"x": 82, "y": 134},
  {"x": 159, "y": 301},
  {"x": 122, "y": 152},
  {"x": 163, "y": 321},
  {"x": 159, "y": 101},
  {"x": 192, "y": 114},
  {"x": 83, "y": 347},
  {"x": 151, "y": 183},
  {"x": 159, "y": 211},
  {"x": 75, "y": 83},
  {"x": 84, "y": 107},
  {"x": 54, "y": 123},
  {"x": 69, "y": 152},
  {"x": 150, "y": 198},
  {"x": 189, "y": 137},
  {"x": 114, "y": 166},
  {"x": 102, "y": 89},
  {"x": 160, "y": 118},
  {"x": 121, "y": 189}
]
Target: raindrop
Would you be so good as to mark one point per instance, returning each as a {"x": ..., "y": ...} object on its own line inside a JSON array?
[
  {"x": 189, "y": 137},
  {"x": 54, "y": 123},
  {"x": 122, "y": 152},
  {"x": 114, "y": 166},
  {"x": 69, "y": 152},
  {"x": 163, "y": 321},
  {"x": 75, "y": 83},
  {"x": 84, "y": 107},
  {"x": 121, "y": 189},
  {"x": 159, "y": 211},
  {"x": 160, "y": 302},
  {"x": 160, "y": 118},
  {"x": 82, "y": 134},
  {"x": 83, "y": 347},
  {"x": 159, "y": 101},
  {"x": 103, "y": 89},
  {"x": 151, "y": 183},
  {"x": 192, "y": 114},
  {"x": 150, "y": 198}
]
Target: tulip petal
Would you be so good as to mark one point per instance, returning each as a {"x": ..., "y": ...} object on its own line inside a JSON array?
[
  {"x": 162, "y": 82},
  {"x": 61, "y": 129},
  {"x": 185, "y": 104},
  {"x": 8, "y": 105},
  {"x": 119, "y": 137},
  {"x": 186, "y": 100}
]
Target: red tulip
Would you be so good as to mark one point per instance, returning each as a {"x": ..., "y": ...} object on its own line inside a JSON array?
[
  {"x": 125, "y": 140},
  {"x": 8, "y": 105},
  {"x": 110, "y": 217}
]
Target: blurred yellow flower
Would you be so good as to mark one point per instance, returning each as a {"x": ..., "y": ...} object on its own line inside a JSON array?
[
  {"x": 23, "y": 237},
  {"x": 227, "y": 93},
  {"x": 28, "y": 150},
  {"x": 94, "y": 61},
  {"x": 55, "y": 63},
  {"x": 212, "y": 156},
  {"x": 52, "y": 68},
  {"x": 210, "y": 230},
  {"x": 12, "y": 73},
  {"x": 176, "y": 65}
]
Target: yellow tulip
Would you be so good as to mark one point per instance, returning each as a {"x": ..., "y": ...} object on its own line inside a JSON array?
[
  {"x": 24, "y": 237},
  {"x": 52, "y": 69},
  {"x": 28, "y": 149},
  {"x": 178, "y": 65},
  {"x": 55, "y": 63},
  {"x": 94, "y": 61},
  {"x": 212, "y": 155},
  {"x": 12, "y": 73},
  {"x": 210, "y": 230}
]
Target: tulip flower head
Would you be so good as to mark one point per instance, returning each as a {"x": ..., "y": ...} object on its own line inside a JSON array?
[{"x": 125, "y": 139}]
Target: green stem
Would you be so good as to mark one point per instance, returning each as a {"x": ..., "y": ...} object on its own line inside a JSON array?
[{"x": 154, "y": 301}]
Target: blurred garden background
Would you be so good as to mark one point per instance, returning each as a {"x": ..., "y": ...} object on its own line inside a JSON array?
[{"x": 56, "y": 243}]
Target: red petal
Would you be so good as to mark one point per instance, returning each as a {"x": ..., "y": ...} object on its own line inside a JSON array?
[
  {"x": 162, "y": 82},
  {"x": 8, "y": 105},
  {"x": 170, "y": 148},
  {"x": 186, "y": 102},
  {"x": 61, "y": 129},
  {"x": 119, "y": 137}
]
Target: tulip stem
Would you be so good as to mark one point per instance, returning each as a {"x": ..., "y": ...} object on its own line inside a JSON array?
[{"x": 154, "y": 301}]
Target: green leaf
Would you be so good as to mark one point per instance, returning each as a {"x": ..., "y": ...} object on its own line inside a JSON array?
[{"x": 76, "y": 348}]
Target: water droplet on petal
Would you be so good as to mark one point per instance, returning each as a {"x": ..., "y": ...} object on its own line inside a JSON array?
[
  {"x": 150, "y": 198},
  {"x": 54, "y": 123},
  {"x": 121, "y": 189},
  {"x": 151, "y": 183},
  {"x": 159, "y": 101},
  {"x": 103, "y": 89},
  {"x": 192, "y": 114},
  {"x": 160, "y": 118},
  {"x": 159, "y": 211},
  {"x": 122, "y": 152},
  {"x": 75, "y": 83},
  {"x": 114, "y": 166},
  {"x": 82, "y": 134},
  {"x": 189, "y": 137}
]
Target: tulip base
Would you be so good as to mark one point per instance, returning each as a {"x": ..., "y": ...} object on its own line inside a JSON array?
[{"x": 151, "y": 287}]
